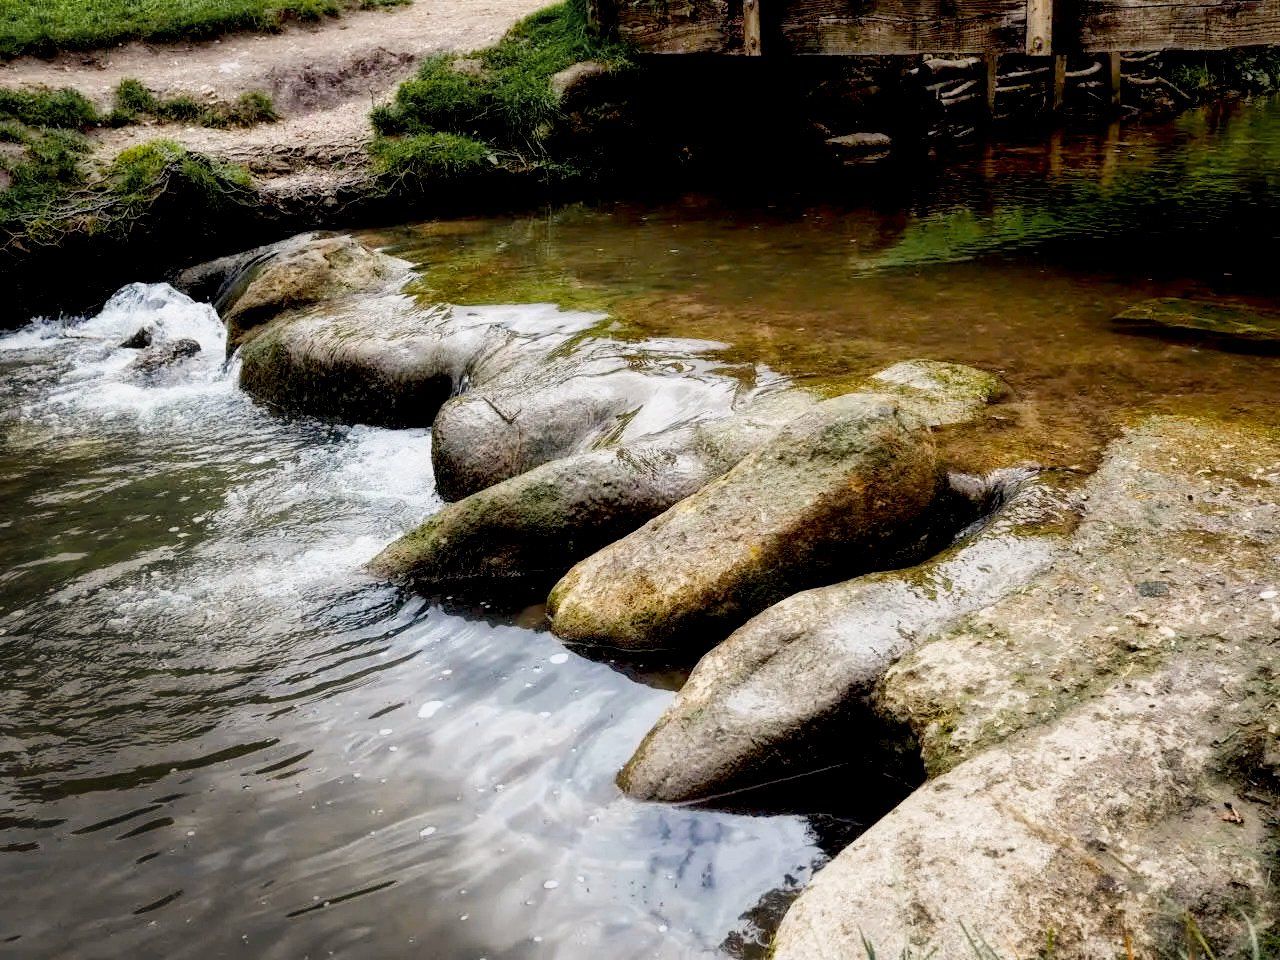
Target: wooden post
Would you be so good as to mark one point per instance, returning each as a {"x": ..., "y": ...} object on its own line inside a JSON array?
[
  {"x": 752, "y": 45},
  {"x": 1039, "y": 28},
  {"x": 991, "y": 63},
  {"x": 1059, "y": 82},
  {"x": 1111, "y": 64}
]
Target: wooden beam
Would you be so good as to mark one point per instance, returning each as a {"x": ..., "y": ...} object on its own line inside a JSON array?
[
  {"x": 991, "y": 65},
  {"x": 1111, "y": 65},
  {"x": 1039, "y": 28},
  {"x": 1059, "y": 83},
  {"x": 752, "y": 44},
  {"x": 1132, "y": 25}
]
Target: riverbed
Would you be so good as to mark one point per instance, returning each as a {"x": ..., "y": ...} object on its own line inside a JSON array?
[{"x": 219, "y": 737}]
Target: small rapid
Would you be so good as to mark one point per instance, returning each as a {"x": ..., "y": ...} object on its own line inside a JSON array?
[{"x": 219, "y": 737}]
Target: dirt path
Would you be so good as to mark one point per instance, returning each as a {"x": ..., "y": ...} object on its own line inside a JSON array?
[{"x": 323, "y": 78}]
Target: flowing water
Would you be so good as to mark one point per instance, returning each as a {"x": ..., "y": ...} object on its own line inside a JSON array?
[{"x": 219, "y": 738}]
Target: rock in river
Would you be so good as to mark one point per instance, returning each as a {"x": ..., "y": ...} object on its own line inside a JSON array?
[
  {"x": 1102, "y": 753},
  {"x": 165, "y": 354},
  {"x": 1227, "y": 325},
  {"x": 766, "y": 702},
  {"x": 831, "y": 494},
  {"x": 530, "y": 529},
  {"x": 306, "y": 270},
  {"x": 535, "y": 526}
]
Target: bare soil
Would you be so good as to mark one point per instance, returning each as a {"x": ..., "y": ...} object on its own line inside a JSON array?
[{"x": 324, "y": 79}]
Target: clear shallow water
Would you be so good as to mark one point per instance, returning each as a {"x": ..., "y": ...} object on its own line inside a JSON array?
[
  {"x": 1013, "y": 258},
  {"x": 218, "y": 738}
]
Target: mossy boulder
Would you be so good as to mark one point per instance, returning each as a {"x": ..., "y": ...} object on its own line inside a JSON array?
[
  {"x": 1096, "y": 738},
  {"x": 533, "y": 527},
  {"x": 786, "y": 692},
  {"x": 297, "y": 274},
  {"x": 599, "y": 393},
  {"x": 940, "y": 393},
  {"x": 525, "y": 532},
  {"x": 830, "y": 495}
]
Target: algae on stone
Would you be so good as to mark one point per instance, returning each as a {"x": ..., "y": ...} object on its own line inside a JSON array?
[
  {"x": 1079, "y": 732},
  {"x": 831, "y": 494}
]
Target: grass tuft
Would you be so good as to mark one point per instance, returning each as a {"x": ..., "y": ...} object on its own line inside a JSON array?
[
  {"x": 429, "y": 156},
  {"x": 61, "y": 109},
  {"x": 500, "y": 96},
  {"x": 134, "y": 100}
]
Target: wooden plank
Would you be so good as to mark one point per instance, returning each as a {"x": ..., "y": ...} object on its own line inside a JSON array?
[
  {"x": 991, "y": 74},
  {"x": 752, "y": 44},
  {"x": 1116, "y": 25},
  {"x": 1039, "y": 28},
  {"x": 822, "y": 26},
  {"x": 900, "y": 26},
  {"x": 1112, "y": 67},
  {"x": 679, "y": 26},
  {"x": 980, "y": 27}
]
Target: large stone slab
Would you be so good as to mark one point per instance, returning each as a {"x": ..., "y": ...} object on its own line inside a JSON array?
[
  {"x": 524, "y": 533},
  {"x": 832, "y": 493},
  {"x": 307, "y": 270},
  {"x": 1101, "y": 741},
  {"x": 598, "y": 393},
  {"x": 1227, "y": 325},
  {"x": 540, "y": 523},
  {"x": 764, "y": 703}
]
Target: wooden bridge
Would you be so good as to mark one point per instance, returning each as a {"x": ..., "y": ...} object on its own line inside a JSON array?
[
  {"x": 869, "y": 27},
  {"x": 985, "y": 28}
]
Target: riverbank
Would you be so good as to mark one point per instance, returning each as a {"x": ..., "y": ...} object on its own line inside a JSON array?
[{"x": 549, "y": 113}]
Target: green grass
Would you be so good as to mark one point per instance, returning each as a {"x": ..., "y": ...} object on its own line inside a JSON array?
[
  {"x": 45, "y": 26},
  {"x": 500, "y": 96},
  {"x": 427, "y": 155},
  {"x": 50, "y": 197},
  {"x": 133, "y": 101},
  {"x": 63, "y": 109}
]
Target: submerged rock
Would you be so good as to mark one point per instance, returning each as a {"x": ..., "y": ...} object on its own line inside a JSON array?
[
  {"x": 765, "y": 703},
  {"x": 1231, "y": 326},
  {"x": 940, "y": 393},
  {"x": 1097, "y": 746},
  {"x": 163, "y": 355},
  {"x": 831, "y": 493}
]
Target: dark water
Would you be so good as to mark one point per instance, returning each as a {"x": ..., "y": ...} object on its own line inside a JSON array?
[{"x": 218, "y": 738}]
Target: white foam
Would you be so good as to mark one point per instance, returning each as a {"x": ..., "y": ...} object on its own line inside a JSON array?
[{"x": 93, "y": 373}]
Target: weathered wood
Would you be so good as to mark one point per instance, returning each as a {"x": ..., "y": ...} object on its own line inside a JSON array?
[
  {"x": 1106, "y": 25},
  {"x": 752, "y": 40},
  {"x": 979, "y": 27},
  {"x": 1059, "y": 83},
  {"x": 991, "y": 74},
  {"x": 1039, "y": 27},
  {"x": 1112, "y": 63},
  {"x": 900, "y": 26},
  {"x": 679, "y": 26}
]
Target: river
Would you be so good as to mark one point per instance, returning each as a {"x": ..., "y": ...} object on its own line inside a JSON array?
[{"x": 218, "y": 737}]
